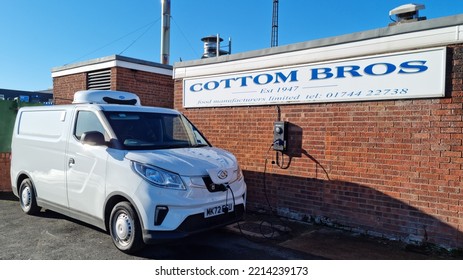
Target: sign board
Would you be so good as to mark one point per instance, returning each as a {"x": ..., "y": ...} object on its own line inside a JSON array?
[{"x": 405, "y": 75}]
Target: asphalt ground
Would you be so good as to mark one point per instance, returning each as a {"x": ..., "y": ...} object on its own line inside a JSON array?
[{"x": 52, "y": 236}]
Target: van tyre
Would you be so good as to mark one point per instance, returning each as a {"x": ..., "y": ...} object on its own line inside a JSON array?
[
  {"x": 27, "y": 198},
  {"x": 124, "y": 227}
]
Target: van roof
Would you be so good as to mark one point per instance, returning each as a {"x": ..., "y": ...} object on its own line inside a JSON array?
[
  {"x": 106, "y": 100},
  {"x": 129, "y": 108},
  {"x": 104, "y": 107}
]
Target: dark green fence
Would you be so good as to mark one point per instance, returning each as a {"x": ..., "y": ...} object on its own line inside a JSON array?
[
  {"x": 7, "y": 116},
  {"x": 8, "y": 109}
]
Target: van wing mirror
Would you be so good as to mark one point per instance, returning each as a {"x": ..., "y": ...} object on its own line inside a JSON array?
[{"x": 94, "y": 138}]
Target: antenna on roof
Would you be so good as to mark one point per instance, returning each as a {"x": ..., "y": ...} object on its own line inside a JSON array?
[{"x": 274, "y": 41}]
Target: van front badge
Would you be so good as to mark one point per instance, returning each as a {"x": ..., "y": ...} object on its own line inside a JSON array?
[{"x": 222, "y": 174}]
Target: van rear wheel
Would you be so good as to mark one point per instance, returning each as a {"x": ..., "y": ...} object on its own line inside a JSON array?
[
  {"x": 27, "y": 198},
  {"x": 124, "y": 227}
]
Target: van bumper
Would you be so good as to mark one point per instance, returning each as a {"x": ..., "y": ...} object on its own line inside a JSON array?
[{"x": 195, "y": 224}]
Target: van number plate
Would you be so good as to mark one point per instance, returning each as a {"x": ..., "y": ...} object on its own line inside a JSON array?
[{"x": 217, "y": 210}]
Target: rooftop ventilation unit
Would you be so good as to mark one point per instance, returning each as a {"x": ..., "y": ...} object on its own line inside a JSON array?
[
  {"x": 212, "y": 46},
  {"x": 406, "y": 13}
]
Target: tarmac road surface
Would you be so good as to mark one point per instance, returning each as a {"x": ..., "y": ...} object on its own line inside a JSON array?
[{"x": 50, "y": 235}]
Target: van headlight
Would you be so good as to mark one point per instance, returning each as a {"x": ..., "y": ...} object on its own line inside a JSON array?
[
  {"x": 238, "y": 175},
  {"x": 159, "y": 177}
]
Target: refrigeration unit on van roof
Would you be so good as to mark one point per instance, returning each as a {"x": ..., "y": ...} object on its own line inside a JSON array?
[{"x": 106, "y": 97}]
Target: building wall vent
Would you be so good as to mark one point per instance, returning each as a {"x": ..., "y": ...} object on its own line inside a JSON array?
[{"x": 100, "y": 79}]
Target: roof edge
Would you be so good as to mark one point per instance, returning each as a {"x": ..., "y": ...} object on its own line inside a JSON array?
[
  {"x": 335, "y": 40},
  {"x": 110, "y": 60}
]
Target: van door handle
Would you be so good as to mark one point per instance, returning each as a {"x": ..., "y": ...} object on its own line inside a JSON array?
[{"x": 71, "y": 162}]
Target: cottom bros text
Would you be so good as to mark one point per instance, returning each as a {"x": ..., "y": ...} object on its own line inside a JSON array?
[{"x": 314, "y": 74}]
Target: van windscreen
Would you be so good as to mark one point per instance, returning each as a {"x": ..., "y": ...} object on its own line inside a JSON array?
[{"x": 147, "y": 131}]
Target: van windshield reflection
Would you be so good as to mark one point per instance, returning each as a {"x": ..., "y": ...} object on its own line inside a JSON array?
[{"x": 147, "y": 131}]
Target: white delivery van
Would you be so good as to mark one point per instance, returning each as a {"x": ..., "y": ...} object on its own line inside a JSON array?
[{"x": 141, "y": 173}]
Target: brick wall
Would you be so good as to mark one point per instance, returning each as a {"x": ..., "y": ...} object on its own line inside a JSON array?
[
  {"x": 5, "y": 184},
  {"x": 64, "y": 87},
  {"x": 153, "y": 89},
  {"x": 385, "y": 168}
]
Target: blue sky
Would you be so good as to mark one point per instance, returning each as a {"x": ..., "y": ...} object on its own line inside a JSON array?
[{"x": 37, "y": 35}]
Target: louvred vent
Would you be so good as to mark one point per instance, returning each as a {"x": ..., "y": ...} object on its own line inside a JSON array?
[{"x": 100, "y": 79}]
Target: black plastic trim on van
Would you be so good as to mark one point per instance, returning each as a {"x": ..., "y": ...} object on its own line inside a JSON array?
[
  {"x": 111, "y": 100},
  {"x": 194, "y": 224}
]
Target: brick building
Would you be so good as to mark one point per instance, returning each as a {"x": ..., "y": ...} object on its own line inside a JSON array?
[
  {"x": 5, "y": 183},
  {"x": 374, "y": 127},
  {"x": 151, "y": 81}
]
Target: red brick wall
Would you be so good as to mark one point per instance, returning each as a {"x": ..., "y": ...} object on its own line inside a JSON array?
[
  {"x": 5, "y": 183},
  {"x": 64, "y": 87},
  {"x": 387, "y": 168},
  {"x": 153, "y": 89}
]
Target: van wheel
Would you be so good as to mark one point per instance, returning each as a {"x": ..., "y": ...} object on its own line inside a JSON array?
[
  {"x": 27, "y": 198},
  {"x": 124, "y": 228}
]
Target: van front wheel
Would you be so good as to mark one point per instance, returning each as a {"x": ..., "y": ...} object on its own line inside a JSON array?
[
  {"x": 27, "y": 198},
  {"x": 125, "y": 228}
]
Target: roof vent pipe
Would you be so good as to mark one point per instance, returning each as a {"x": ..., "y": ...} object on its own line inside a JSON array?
[
  {"x": 406, "y": 13},
  {"x": 165, "y": 31},
  {"x": 212, "y": 46}
]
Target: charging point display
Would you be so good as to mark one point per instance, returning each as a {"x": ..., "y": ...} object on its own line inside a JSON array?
[{"x": 280, "y": 135}]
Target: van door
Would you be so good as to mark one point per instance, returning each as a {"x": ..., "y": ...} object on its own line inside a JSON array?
[{"x": 86, "y": 169}]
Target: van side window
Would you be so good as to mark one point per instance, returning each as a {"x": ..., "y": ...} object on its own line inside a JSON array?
[{"x": 88, "y": 121}]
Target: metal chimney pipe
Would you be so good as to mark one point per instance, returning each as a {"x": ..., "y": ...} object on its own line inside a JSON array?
[
  {"x": 229, "y": 45},
  {"x": 165, "y": 31},
  {"x": 217, "y": 51}
]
